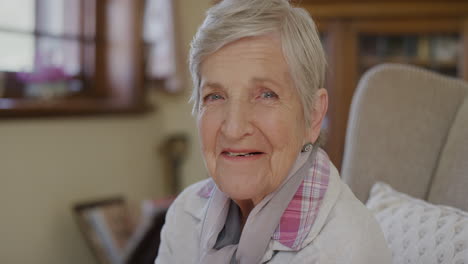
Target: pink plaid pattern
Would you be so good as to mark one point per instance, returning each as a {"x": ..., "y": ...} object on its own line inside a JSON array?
[{"x": 300, "y": 215}]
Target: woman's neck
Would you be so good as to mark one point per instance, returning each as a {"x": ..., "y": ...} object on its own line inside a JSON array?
[{"x": 246, "y": 207}]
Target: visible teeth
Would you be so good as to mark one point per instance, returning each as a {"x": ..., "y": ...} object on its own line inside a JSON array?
[{"x": 239, "y": 154}]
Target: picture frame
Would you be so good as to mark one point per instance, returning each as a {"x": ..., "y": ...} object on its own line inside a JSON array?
[{"x": 107, "y": 227}]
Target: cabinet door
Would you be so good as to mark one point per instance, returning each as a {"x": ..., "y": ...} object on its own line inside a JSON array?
[{"x": 435, "y": 45}]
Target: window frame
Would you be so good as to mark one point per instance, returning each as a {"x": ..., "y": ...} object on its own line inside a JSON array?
[{"x": 118, "y": 75}]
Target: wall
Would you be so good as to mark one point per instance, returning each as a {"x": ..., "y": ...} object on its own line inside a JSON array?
[{"x": 47, "y": 165}]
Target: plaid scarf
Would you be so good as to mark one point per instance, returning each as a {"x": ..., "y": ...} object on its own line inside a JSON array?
[{"x": 308, "y": 178}]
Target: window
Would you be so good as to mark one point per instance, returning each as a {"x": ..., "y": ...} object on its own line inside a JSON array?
[{"x": 70, "y": 57}]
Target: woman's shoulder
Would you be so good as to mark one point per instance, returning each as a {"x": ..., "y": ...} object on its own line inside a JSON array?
[
  {"x": 180, "y": 234},
  {"x": 341, "y": 210},
  {"x": 350, "y": 214},
  {"x": 361, "y": 238},
  {"x": 199, "y": 188},
  {"x": 342, "y": 223},
  {"x": 192, "y": 200}
]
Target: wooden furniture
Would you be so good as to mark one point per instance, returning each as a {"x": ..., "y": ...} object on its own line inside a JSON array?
[{"x": 352, "y": 31}]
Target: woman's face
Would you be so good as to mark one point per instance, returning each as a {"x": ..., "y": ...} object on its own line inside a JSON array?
[{"x": 251, "y": 121}]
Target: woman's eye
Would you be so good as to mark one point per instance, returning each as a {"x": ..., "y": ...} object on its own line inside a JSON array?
[
  {"x": 269, "y": 95},
  {"x": 212, "y": 97}
]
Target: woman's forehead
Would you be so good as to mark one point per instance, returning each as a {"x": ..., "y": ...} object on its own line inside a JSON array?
[
  {"x": 253, "y": 59},
  {"x": 259, "y": 47}
]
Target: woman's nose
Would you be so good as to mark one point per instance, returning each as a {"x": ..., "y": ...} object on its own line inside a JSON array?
[{"x": 237, "y": 121}]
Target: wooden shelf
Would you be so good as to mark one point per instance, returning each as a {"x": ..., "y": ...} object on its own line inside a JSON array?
[
  {"x": 369, "y": 61},
  {"x": 384, "y": 9},
  {"x": 77, "y": 106}
]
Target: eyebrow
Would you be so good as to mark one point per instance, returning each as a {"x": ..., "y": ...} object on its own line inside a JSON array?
[
  {"x": 255, "y": 80},
  {"x": 212, "y": 85},
  {"x": 265, "y": 80}
]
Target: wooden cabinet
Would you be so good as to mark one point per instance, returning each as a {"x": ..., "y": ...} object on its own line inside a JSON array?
[{"x": 360, "y": 34}]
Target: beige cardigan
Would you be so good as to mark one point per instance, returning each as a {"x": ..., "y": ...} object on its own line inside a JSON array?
[{"x": 343, "y": 232}]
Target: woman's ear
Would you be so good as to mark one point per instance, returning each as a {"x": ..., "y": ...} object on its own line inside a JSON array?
[{"x": 318, "y": 114}]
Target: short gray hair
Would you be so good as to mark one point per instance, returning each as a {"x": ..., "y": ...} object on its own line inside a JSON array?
[{"x": 231, "y": 20}]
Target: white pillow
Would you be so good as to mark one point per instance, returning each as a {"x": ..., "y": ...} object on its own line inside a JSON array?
[{"x": 417, "y": 231}]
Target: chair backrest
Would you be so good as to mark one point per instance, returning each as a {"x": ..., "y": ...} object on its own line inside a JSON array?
[{"x": 408, "y": 127}]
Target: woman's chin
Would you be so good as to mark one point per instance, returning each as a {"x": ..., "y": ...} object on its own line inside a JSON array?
[{"x": 251, "y": 192}]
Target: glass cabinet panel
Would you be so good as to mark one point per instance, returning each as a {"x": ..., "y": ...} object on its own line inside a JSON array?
[{"x": 437, "y": 52}]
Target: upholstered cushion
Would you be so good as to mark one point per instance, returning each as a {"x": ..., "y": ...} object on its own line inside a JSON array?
[
  {"x": 417, "y": 231},
  {"x": 406, "y": 125},
  {"x": 450, "y": 181}
]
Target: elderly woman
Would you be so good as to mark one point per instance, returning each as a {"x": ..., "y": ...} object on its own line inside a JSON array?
[{"x": 273, "y": 195}]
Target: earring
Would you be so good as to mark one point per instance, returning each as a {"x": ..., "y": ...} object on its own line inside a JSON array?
[{"x": 307, "y": 147}]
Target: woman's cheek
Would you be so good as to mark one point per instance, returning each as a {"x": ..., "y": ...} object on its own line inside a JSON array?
[
  {"x": 206, "y": 140},
  {"x": 208, "y": 122},
  {"x": 282, "y": 128},
  {"x": 273, "y": 121}
]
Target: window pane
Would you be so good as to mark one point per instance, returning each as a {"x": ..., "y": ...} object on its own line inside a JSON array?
[
  {"x": 50, "y": 14},
  {"x": 17, "y": 14},
  {"x": 56, "y": 71},
  {"x": 59, "y": 54},
  {"x": 58, "y": 17},
  {"x": 16, "y": 51}
]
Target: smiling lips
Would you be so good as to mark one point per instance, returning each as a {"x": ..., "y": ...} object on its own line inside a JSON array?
[{"x": 241, "y": 154}]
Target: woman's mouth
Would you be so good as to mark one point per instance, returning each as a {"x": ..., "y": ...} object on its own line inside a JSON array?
[
  {"x": 245, "y": 154},
  {"x": 241, "y": 154}
]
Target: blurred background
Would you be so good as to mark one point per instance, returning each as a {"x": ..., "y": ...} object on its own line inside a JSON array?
[
  {"x": 82, "y": 143},
  {"x": 93, "y": 100}
]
